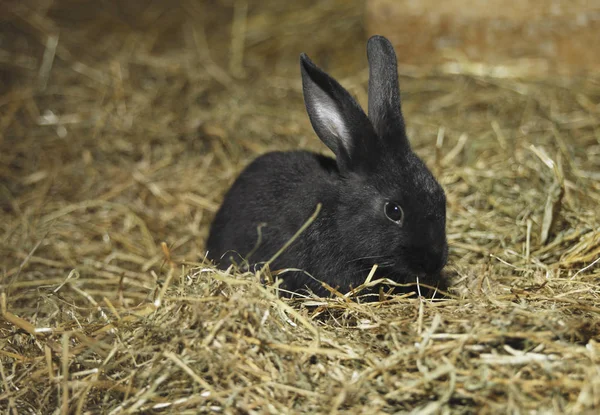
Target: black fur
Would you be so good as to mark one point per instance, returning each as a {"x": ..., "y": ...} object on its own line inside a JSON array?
[{"x": 374, "y": 164}]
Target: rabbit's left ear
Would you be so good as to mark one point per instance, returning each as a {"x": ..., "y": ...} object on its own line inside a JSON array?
[
  {"x": 336, "y": 117},
  {"x": 384, "y": 94}
]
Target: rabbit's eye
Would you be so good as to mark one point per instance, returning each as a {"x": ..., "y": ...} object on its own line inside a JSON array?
[{"x": 394, "y": 212}]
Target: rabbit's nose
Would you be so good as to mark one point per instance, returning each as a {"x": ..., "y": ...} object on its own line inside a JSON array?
[
  {"x": 440, "y": 250},
  {"x": 434, "y": 264},
  {"x": 440, "y": 253},
  {"x": 430, "y": 260}
]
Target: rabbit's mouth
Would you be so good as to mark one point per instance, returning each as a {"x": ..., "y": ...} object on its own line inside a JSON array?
[
  {"x": 428, "y": 261},
  {"x": 427, "y": 281},
  {"x": 406, "y": 273}
]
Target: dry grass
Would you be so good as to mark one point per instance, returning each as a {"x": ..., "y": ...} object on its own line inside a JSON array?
[{"x": 122, "y": 126}]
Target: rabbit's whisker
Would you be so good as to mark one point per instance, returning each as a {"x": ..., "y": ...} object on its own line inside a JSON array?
[{"x": 366, "y": 257}]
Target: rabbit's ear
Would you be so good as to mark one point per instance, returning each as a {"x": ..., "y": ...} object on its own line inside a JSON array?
[
  {"x": 336, "y": 117},
  {"x": 384, "y": 94}
]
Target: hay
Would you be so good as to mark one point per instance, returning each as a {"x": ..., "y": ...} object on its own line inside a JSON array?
[{"x": 120, "y": 130}]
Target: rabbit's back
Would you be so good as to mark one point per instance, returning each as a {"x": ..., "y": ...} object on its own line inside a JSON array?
[{"x": 268, "y": 203}]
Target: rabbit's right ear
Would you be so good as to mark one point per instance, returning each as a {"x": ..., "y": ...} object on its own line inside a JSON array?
[
  {"x": 384, "y": 94},
  {"x": 336, "y": 117}
]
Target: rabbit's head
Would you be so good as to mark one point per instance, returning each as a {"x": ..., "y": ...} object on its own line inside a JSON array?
[{"x": 391, "y": 209}]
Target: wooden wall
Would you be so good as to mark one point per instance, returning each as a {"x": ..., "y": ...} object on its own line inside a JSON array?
[{"x": 501, "y": 37}]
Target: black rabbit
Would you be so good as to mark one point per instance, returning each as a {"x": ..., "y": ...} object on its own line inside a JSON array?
[{"x": 380, "y": 203}]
